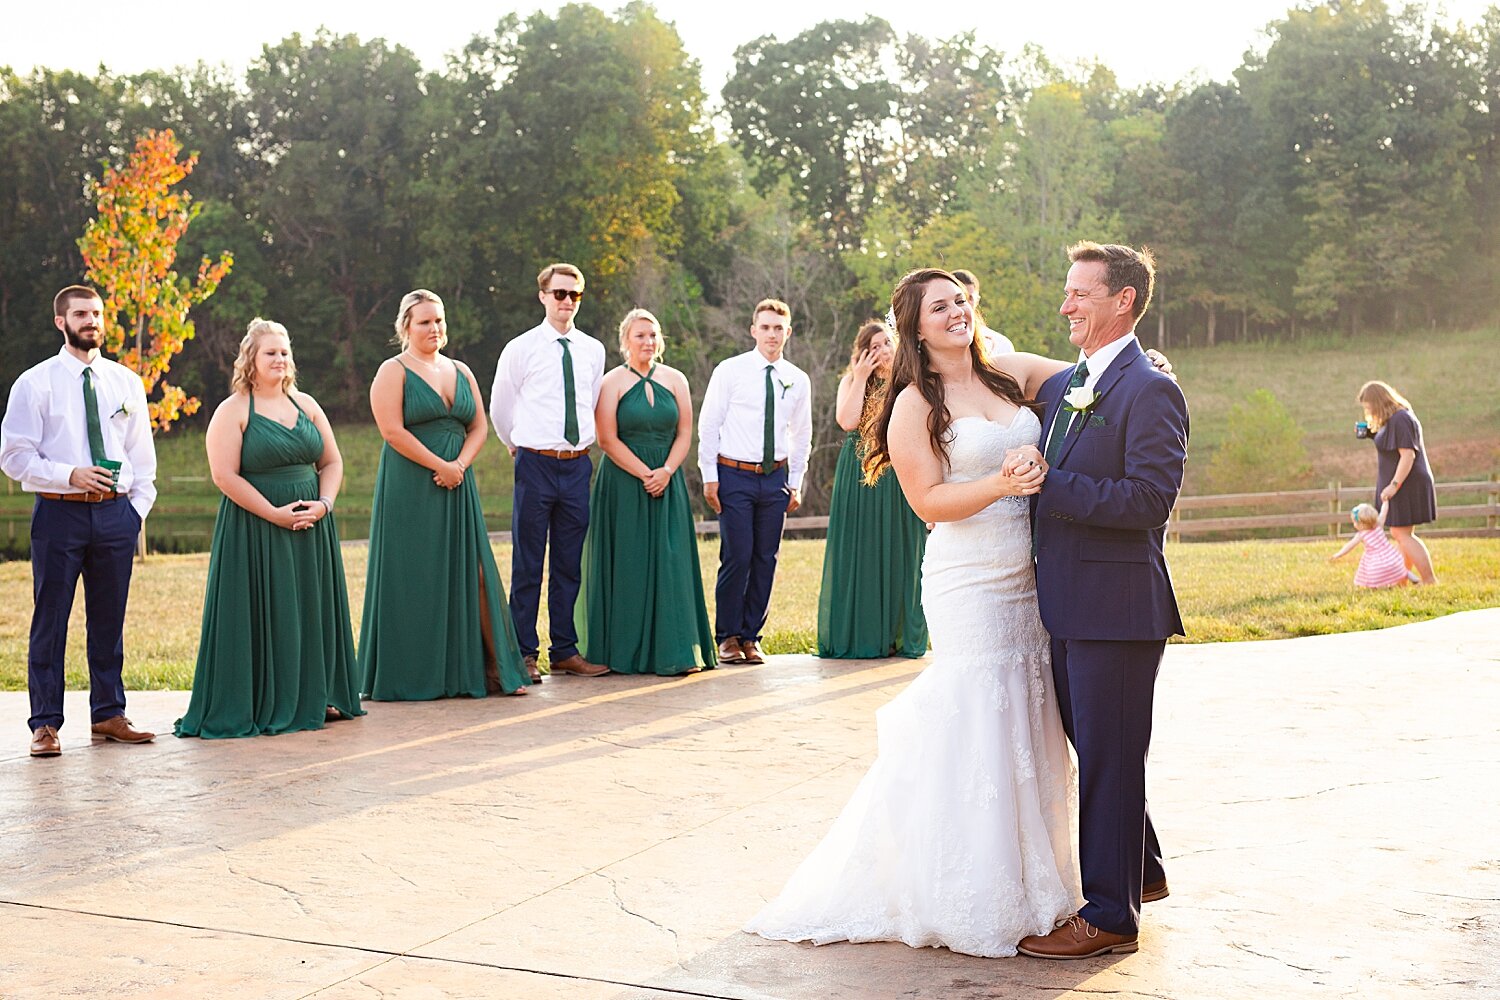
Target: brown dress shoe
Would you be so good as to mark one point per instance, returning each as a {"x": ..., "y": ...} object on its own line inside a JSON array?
[
  {"x": 730, "y": 650},
  {"x": 532, "y": 670},
  {"x": 1075, "y": 937},
  {"x": 576, "y": 664},
  {"x": 752, "y": 652},
  {"x": 120, "y": 730},
  {"x": 1153, "y": 891},
  {"x": 44, "y": 743}
]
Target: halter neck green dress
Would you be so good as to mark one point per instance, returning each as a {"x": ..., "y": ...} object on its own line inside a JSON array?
[
  {"x": 276, "y": 649},
  {"x": 643, "y": 610},
  {"x": 420, "y": 636},
  {"x": 870, "y": 604}
]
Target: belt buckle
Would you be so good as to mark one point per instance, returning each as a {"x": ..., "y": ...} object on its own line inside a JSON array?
[{"x": 93, "y": 497}]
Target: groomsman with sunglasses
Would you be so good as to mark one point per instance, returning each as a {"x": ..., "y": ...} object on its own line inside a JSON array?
[
  {"x": 542, "y": 406},
  {"x": 754, "y": 438}
]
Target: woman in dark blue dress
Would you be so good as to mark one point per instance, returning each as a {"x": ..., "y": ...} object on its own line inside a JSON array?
[{"x": 1403, "y": 475}]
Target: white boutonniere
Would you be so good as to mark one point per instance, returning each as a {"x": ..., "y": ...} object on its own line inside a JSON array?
[
  {"x": 125, "y": 410},
  {"x": 1080, "y": 400}
]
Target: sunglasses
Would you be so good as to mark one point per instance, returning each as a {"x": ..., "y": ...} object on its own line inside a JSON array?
[{"x": 564, "y": 293}]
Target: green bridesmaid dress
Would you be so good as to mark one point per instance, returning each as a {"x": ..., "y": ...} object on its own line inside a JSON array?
[
  {"x": 276, "y": 650},
  {"x": 420, "y": 637},
  {"x": 642, "y": 610},
  {"x": 870, "y": 604}
]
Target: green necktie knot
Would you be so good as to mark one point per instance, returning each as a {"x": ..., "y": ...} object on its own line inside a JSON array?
[
  {"x": 1064, "y": 418},
  {"x": 570, "y": 395},
  {"x": 91, "y": 416}
]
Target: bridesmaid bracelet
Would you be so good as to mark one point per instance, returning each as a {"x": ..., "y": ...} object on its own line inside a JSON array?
[{"x": 327, "y": 503}]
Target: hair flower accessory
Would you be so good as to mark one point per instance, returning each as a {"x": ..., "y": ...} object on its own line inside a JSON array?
[{"x": 1080, "y": 399}]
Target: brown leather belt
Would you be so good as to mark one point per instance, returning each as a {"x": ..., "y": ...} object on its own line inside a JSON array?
[
  {"x": 564, "y": 455},
  {"x": 83, "y": 497},
  {"x": 750, "y": 466}
]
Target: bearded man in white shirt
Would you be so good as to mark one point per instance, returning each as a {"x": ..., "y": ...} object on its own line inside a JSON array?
[
  {"x": 542, "y": 406},
  {"x": 754, "y": 437},
  {"x": 77, "y": 435}
]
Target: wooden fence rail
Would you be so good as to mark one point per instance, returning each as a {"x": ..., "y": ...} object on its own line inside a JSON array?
[{"x": 1326, "y": 509}]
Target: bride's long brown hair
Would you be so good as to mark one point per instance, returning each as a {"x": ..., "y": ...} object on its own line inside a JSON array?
[{"x": 910, "y": 368}]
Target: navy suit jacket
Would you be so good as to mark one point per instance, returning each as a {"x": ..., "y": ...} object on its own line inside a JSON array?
[{"x": 1101, "y": 517}]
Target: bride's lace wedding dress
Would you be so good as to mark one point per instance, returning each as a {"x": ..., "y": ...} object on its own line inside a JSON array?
[{"x": 959, "y": 834}]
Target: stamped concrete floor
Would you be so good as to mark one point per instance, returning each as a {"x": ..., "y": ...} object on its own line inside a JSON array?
[{"x": 1329, "y": 808}]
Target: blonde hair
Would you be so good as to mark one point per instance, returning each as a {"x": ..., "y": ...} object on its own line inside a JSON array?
[
  {"x": 776, "y": 306},
  {"x": 410, "y": 301},
  {"x": 1380, "y": 402},
  {"x": 1364, "y": 516},
  {"x": 243, "y": 379},
  {"x": 626, "y": 323}
]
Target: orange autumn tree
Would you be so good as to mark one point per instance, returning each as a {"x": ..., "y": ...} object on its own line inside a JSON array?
[{"x": 130, "y": 250}]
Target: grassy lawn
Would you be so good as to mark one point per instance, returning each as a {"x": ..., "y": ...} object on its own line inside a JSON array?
[
  {"x": 1228, "y": 591},
  {"x": 1315, "y": 379}
]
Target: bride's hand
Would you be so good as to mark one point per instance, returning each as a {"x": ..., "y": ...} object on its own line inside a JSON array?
[
  {"x": 1022, "y": 458},
  {"x": 1023, "y": 481}
]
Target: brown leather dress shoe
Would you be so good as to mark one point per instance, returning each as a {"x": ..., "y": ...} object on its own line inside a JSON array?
[
  {"x": 44, "y": 743},
  {"x": 532, "y": 670},
  {"x": 121, "y": 730},
  {"x": 576, "y": 664},
  {"x": 752, "y": 652},
  {"x": 1075, "y": 937},
  {"x": 1153, "y": 891},
  {"x": 730, "y": 650}
]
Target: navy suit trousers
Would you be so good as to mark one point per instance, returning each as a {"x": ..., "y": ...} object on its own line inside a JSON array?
[
  {"x": 751, "y": 516},
  {"x": 68, "y": 540},
  {"x": 551, "y": 503},
  {"x": 1105, "y": 690}
]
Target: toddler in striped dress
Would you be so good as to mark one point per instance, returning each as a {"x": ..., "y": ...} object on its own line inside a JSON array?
[{"x": 1381, "y": 564}]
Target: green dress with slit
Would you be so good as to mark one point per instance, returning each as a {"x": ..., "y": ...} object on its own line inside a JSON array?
[
  {"x": 643, "y": 610},
  {"x": 420, "y": 637},
  {"x": 870, "y": 604},
  {"x": 275, "y": 651}
]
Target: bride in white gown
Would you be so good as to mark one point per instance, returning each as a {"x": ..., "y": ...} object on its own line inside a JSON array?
[{"x": 959, "y": 836}]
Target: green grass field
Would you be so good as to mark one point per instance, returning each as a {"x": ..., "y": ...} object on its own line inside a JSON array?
[
  {"x": 1228, "y": 591},
  {"x": 1315, "y": 379}
]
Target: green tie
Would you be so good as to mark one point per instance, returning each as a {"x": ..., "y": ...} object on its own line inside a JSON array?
[
  {"x": 91, "y": 411},
  {"x": 768, "y": 441},
  {"x": 1064, "y": 418},
  {"x": 570, "y": 395}
]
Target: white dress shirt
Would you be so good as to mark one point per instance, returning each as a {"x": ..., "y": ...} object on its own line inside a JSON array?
[
  {"x": 733, "y": 419},
  {"x": 45, "y": 434},
  {"x": 996, "y": 342},
  {"x": 1102, "y": 358},
  {"x": 526, "y": 401},
  {"x": 1099, "y": 363}
]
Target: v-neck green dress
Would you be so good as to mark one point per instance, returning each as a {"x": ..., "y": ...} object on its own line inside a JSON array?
[
  {"x": 643, "y": 610},
  {"x": 420, "y": 636},
  {"x": 276, "y": 649},
  {"x": 870, "y": 604}
]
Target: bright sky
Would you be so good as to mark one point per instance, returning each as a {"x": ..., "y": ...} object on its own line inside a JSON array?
[{"x": 1169, "y": 41}]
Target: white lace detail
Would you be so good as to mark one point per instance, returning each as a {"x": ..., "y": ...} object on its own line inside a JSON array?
[{"x": 959, "y": 834}]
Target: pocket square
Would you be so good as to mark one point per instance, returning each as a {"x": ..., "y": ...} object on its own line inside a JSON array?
[{"x": 1097, "y": 420}]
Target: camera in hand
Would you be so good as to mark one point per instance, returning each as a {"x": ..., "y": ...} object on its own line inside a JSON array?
[{"x": 1362, "y": 430}]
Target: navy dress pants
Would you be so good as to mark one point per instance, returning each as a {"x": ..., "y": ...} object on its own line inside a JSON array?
[
  {"x": 68, "y": 540},
  {"x": 551, "y": 504},
  {"x": 1105, "y": 690},
  {"x": 751, "y": 516}
]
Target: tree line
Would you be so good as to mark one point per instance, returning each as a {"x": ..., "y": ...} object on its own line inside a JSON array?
[{"x": 1345, "y": 178}]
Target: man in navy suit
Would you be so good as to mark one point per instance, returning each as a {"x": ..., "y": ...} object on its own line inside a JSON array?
[{"x": 1115, "y": 441}]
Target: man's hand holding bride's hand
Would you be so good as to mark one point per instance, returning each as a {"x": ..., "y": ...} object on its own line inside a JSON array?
[
  {"x": 1022, "y": 472},
  {"x": 1025, "y": 457}
]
